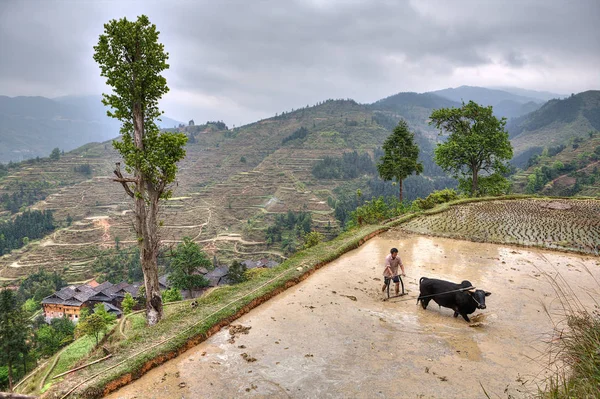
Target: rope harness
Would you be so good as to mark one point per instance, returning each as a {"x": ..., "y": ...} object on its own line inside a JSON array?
[{"x": 441, "y": 293}]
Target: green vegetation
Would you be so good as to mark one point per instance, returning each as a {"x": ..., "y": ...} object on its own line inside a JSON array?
[
  {"x": 312, "y": 238},
  {"x": 126, "y": 52},
  {"x": 350, "y": 166},
  {"x": 120, "y": 264},
  {"x": 128, "y": 303},
  {"x": 23, "y": 194},
  {"x": 30, "y": 225},
  {"x": 237, "y": 272},
  {"x": 563, "y": 170},
  {"x": 55, "y": 154},
  {"x": 288, "y": 228},
  {"x": 296, "y": 135},
  {"x": 477, "y": 142},
  {"x": 400, "y": 156},
  {"x": 171, "y": 295},
  {"x": 13, "y": 336},
  {"x": 50, "y": 338},
  {"x": 185, "y": 266},
  {"x": 39, "y": 285}
]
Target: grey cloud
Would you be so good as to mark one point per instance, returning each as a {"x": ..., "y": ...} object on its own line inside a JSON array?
[{"x": 258, "y": 58}]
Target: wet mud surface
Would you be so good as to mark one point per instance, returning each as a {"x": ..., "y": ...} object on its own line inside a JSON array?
[{"x": 332, "y": 336}]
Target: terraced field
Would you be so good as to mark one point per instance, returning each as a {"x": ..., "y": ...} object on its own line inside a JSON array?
[
  {"x": 220, "y": 201},
  {"x": 570, "y": 225}
]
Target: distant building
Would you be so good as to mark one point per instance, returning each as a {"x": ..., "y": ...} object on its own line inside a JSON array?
[{"x": 69, "y": 301}]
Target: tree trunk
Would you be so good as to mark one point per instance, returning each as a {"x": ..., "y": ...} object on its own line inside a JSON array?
[
  {"x": 10, "y": 376},
  {"x": 148, "y": 253},
  {"x": 474, "y": 185},
  {"x": 400, "y": 184},
  {"x": 146, "y": 212}
]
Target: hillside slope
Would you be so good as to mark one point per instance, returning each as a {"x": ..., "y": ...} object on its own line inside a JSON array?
[
  {"x": 231, "y": 186},
  {"x": 556, "y": 122}
]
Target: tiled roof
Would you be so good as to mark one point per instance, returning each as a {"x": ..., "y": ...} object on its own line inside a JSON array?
[
  {"x": 218, "y": 272},
  {"x": 103, "y": 286}
]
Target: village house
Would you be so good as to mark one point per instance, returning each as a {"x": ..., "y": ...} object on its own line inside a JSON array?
[{"x": 69, "y": 301}]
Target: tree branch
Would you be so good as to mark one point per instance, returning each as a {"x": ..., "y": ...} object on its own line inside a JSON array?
[{"x": 123, "y": 180}]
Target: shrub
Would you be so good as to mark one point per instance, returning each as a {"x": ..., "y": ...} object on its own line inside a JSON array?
[
  {"x": 435, "y": 198},
  {"x": 171, "y": 295},
  {"x": 313, "y": 238}
]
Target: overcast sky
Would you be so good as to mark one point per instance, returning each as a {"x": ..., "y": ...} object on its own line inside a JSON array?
[{"x": 240, "y": 61}]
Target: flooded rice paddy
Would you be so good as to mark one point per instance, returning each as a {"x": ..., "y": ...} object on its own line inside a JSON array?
[{"x": 332, "y": 336}]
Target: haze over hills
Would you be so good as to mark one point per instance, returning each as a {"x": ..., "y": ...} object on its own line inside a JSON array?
[
  {"x": 506, "y": 104},
  {"x": 33, "y": 126}
]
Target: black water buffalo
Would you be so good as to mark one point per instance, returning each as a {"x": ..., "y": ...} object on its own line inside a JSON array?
[{"x": 451, "y": 295}]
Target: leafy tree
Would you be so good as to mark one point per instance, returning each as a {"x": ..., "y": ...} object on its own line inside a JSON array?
[
  {"x": 187, "y": 260},
  {"x": 101, "y": 311},
  {"x": 30, "y": 306},
  {"x": 477, "y": 142},
  {"x": 171, "y": 295},
  {"x": 55, "y": 154},
  {"x": 132, "y": 60},
  {"x": 92, "y": 326},
  {"x": 50, "y": 338},
  {"x": 39, "y": 285},
  {"x": 128, "y": 303},
  {"x": 312, "y": 238},
  {"x": 237, "y": 272},
  {"x": 400, "y": 158},
  {"x": 13, "y": 332}
]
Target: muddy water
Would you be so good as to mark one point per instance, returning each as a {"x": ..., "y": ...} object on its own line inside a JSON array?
[{"x": 332, "y": 336}]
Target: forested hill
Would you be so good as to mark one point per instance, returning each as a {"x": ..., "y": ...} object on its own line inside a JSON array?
[{"x": 555, "y": 123}]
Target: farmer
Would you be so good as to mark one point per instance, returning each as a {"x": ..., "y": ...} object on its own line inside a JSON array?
[{"x": 392, "y": 261}]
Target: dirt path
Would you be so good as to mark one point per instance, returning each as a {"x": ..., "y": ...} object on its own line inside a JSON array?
[{"x": 331, "y": 336}]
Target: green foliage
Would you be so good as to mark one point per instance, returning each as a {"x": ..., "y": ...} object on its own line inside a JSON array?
[
  {"x": 400, "y": 158},
  {"x": 128, "y": 303},
  {"x": 85, "y": 169},
  {"x": 477, "y": 141},
  {"x": 130, "y": 52},
  {"x": 299, "y": 134},
  {"x": 93, "y": 325},
  {"x": 31, "y": 306},
  {"x": 377, "y": 210},
  {"x": 50, "y": 338},
  {"x": 122, "y": 264},
  {"x": 237, "y": 272},
  {"x": 287, "y": 227},
  {"x": 55, "y": 154},
  {"x": 492, "y": 185},
  {"x": 185, "y": 265},
  {"x": 171, "y": 295},
  {"x": 435, "y": 198},
  {"x": 13, "y": 331},
  {"x": 101, "y": 311},
  {"x": 39, "y": 285},
  {"x": 34, "y": 224},
  {"x": 23, "y": 194},
  {"x": 312, "y": 238},
  {"x": 350, "y": 166}
]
